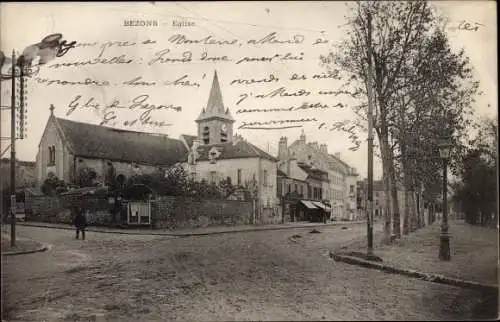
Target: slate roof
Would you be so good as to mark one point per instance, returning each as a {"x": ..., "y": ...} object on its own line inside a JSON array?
[
  {"x": 234, "y": 150},
  {"x": 215, "y": 106},
  {"x": 314, "y": 173},
  {"x": 100, "y": 142},
  {"x": 189, "y": 139},
  {"x": 281, "y": 173},
  {"x": 345, "y": 164}
]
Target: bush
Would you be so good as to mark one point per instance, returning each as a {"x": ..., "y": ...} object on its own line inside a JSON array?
[
  {"x": 53, "y": 185},
  {"x": 176, "y": 182}
]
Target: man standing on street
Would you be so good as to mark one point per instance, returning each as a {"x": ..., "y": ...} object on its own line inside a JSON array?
[{"x": 80, "y": 223}]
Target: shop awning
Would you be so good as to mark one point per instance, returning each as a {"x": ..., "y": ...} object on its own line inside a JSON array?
[
  {"x": 308, "y": 204},
  {"x": 321, "y": 205}
]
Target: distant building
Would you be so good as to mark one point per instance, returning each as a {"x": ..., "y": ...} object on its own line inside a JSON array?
[
  {"x": 25, "y": 178},
  {"x": 300, "y": 190},
  {"x": 68, "y": 146},
  {"x": 340, "y": 189},
  {"x": 25, "y": 173},
  {"x": 216, "y": 153},
  {"x": 379, "y": 197}
]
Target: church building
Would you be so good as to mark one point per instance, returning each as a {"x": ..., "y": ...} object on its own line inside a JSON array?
[{"x": 217, "y": 153}]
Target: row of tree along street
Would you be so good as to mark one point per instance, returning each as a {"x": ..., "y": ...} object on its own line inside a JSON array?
[{"x": 424, "y": 91}]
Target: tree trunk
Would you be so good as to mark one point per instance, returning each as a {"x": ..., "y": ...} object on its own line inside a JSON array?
[
  {"x": 420, "y": 206},
  {"x": 420, "y": 221},
  {"x": 406, "y": 215},
  {"x": 387, "y": 205},
  {"x": 396, "y": 224},
  {"x": 415, "y": 220}
]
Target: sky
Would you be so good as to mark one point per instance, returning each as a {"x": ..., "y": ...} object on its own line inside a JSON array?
[{"x": 148, "y": 47}]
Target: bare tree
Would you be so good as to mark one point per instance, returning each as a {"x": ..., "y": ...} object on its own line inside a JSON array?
[{"x": 419, "y": 83}]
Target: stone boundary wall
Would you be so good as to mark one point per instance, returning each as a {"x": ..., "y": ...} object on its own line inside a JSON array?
[
  {"x": 176, "y": 212},
  {"x": 57, "y": 209},
  {"x": 166, "y": 212}
]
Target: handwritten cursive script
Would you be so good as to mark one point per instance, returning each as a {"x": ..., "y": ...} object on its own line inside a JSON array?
[
  {"x": 109, "y": 111},
  {"x": 281, "y": 92},
  {"x": 276, "y": 124}
]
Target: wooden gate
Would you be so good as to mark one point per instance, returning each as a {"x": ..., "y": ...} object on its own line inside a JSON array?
[{"x": 139, "y": 213}]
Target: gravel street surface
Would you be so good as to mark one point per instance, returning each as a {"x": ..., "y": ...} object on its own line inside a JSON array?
[{"x": 267, "y": 275}]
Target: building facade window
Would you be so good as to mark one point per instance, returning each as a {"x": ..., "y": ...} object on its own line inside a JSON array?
[
  {"x": 351, "y": 188},
  {"x": 52, "y": 155},
  {"x": 266, "y": 179},
  {"x": 213, "y": 176},
  {"x": 296, "y": 188},
  {"x": 289, "y": 188},
  {"x": 239, "y": 177},
  {"x": 301, "y": 190}
]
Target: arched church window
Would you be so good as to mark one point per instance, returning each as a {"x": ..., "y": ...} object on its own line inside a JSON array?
[
  {"x": 52, "y": 155},
  {"x": 206, "y": 135}
]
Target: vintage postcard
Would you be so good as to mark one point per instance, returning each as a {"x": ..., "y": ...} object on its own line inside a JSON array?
[{"x": 228, "y": 161}]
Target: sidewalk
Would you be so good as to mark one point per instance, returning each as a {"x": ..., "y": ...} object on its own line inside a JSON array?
[
  {"x": 23, "y": 246},
  {"x": 474, "y": 255},
  {"x": 201, "y": 231}
]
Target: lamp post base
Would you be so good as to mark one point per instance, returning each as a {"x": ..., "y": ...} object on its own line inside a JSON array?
[{"x": 444, "y": 247}]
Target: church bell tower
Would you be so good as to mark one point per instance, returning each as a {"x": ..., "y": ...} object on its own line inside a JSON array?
[{"x": 215, "y": 123}]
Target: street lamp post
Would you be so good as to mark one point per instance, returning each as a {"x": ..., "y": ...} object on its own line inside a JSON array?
[{"x": 444, "y": 247}]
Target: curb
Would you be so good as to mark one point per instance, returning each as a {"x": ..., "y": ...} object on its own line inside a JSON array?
[
  {"x": 435, "y": 278},
  {"x": 153, "y": 233},
  {"x": 42, "y": 248}
]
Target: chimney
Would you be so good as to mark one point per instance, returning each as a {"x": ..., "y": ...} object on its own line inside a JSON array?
[
  {"x": 324, "y": 148},
  {"x": 291, "y": 162},
  {"x": 283, "y": 148},
  {"x": 337, "y": 154},
  {"x": 237, "y": 138},
  {"x": 302, "y": 137},
  {"x": 314, "y": 145}
]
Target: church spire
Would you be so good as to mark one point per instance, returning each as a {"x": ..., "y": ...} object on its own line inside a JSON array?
[{"x": 215, "y": 105}]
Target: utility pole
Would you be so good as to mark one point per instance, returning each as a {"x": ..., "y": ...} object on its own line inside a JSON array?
[
  {"x": 369, "y": 217},
  {"x": 13, "y": 155}
]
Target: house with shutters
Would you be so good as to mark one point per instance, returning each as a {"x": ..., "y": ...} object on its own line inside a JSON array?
[{"x": 217, "y": 153}]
